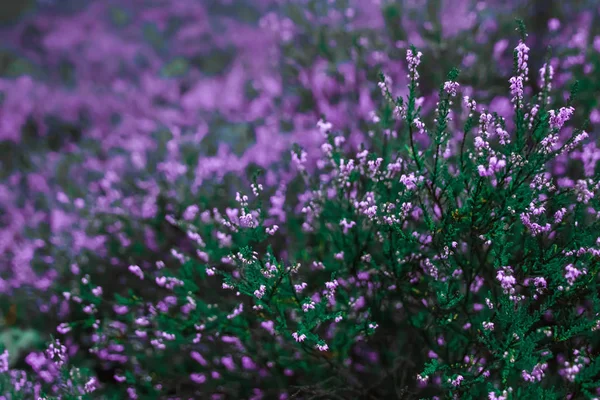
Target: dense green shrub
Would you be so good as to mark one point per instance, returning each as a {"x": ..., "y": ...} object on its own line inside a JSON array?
[
  {"x": 435, "y": 261},
  {"x": 427, "y": 238}
]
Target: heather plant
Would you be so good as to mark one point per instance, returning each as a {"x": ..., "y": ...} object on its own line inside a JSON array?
[
  {"x": 105, "y": 199},
  {"x": 443, "y": 258},
  {"x": 89, "y": 130}
]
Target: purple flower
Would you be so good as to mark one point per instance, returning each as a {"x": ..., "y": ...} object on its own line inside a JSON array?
[
  {"x": 4, "y": 361},
  {"x": 198, "y": 378}
]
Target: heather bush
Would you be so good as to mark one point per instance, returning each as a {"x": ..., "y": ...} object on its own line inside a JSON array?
[
  {"x": 436, "y": 261},
  {"x": 419, "y": 246}
]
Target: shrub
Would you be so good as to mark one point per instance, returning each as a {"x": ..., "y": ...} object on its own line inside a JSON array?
[{"x": 434, "y": 262}]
